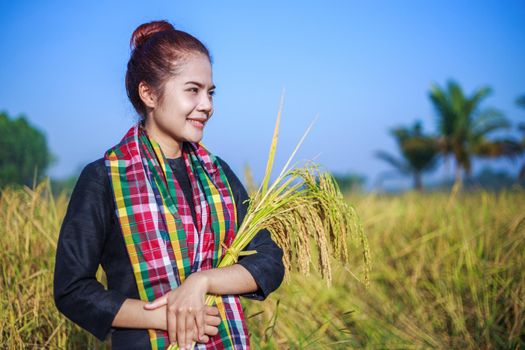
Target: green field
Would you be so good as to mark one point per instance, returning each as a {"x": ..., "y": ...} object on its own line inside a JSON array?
[{"x": 446, "y": 273}]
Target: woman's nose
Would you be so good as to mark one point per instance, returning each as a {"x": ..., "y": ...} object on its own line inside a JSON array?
[{"x": 206, "y": 103}]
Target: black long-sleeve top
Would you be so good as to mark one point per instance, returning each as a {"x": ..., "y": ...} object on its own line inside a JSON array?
[{"x": 91, "y": 235}]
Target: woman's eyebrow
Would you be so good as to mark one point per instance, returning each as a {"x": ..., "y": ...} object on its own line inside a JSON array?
[{"x": 199, "y": 84}]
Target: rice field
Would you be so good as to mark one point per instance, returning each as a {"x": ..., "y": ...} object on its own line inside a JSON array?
[{"x": 446, "y": 273}]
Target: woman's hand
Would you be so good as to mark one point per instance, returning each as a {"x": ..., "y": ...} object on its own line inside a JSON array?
[
  {"x": 185, "y": 310},
  {"x": 211, "y": 324},
  {"x": 235, "y": 279}
]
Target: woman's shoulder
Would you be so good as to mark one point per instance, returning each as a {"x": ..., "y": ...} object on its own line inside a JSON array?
[
  {"x": 94, "y": 173},
  {"x": 96, "y": 167},
  {"x": 91, "y": 196}
]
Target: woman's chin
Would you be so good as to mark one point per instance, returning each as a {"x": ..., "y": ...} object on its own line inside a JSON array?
[{"x": 195, "y": 138}]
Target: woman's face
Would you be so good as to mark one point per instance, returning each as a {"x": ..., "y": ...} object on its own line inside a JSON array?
[{"x": 182, "y": 113}]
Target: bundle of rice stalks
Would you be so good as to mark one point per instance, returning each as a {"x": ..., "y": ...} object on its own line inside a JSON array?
[{"x": 301, "y": 206}]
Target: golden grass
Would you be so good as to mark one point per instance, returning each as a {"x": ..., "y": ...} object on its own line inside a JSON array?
[
  {"x": 29, "y": 224},
  {"x": 443, "y": 276}
]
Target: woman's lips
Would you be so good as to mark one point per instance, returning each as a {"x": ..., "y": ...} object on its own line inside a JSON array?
[{"x": 197, "y": 123}]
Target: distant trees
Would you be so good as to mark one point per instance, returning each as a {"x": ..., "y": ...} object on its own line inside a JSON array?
[
  {"x": 24, "y": 152},
  {"x": 418, "y": 152},
  {"x": 520, "y": 101},
  {"x": 349, "y": 181},
  {"x": 463, "y": 128}
]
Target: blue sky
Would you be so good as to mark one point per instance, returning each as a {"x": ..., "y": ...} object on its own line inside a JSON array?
[{"x": 364, "y": 67}]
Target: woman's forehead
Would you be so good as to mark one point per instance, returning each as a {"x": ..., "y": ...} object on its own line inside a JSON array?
[{"x": 197, "y": 71}]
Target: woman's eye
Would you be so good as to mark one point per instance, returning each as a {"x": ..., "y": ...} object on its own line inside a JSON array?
[
  {"x": 194, "y": 90},
  {"x": 212, "y": 93}
]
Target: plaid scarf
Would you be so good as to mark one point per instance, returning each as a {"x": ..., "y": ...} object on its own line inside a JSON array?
[{"x": 163, "y": 242}]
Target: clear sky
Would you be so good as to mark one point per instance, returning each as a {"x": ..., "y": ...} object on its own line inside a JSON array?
[{"x": 364, "y": 67}]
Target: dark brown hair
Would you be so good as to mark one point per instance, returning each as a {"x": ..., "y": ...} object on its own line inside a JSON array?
[{"x": 157, "y": 52}]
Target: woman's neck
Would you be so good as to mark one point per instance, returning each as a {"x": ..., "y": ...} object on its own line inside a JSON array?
[{"x": 170, "y": 147}]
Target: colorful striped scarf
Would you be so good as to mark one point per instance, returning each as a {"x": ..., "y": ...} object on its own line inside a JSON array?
[{"x": 163, "y": 242}]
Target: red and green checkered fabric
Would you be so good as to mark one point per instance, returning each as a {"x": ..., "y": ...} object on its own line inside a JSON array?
[{"x": 164, "y": 244}]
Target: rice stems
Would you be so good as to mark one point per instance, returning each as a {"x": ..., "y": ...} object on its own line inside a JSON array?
[{"x": 302, "y": 205}]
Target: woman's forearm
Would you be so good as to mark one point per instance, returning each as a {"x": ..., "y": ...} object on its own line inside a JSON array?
[
  {"x": 133, "y": 315},
  {"x": 234, "y": 279}
]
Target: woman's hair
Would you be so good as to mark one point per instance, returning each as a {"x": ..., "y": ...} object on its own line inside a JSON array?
[{"x": 157, "y": 52}]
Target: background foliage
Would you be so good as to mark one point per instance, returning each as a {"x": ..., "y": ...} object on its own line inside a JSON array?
[{"x": 24, "y": 154}]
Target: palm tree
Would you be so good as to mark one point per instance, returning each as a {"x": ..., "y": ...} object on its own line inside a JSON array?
[
  {"x": 520, "y": 101},
  {"x": 462, "y": 125},
  {"x": 418, "y": 152}
]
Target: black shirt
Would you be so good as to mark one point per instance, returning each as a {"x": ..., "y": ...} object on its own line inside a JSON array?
[{"x": 91, "y": 235}]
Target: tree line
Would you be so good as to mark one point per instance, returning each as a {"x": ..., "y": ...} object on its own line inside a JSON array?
[
  {"x": 24, "y": 153},
  {"x": 463, "y": 131}
]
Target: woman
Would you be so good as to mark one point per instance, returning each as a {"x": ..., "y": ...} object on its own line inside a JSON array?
[{"x": 158, "y": 212}]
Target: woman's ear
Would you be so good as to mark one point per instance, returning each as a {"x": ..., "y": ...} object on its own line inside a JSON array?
[{"x": 147, "y": 95}]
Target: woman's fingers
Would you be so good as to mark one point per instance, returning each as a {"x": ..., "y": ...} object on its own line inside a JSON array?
[
  {"x": 185, "y": 325},
  {"x": 211, "y": 323},
  {"x": 187, "y": 336},
  {"x": 211, "y": 330},
  {"x": 171, "y": 318},
  {"x": 163, "y": 300},
  {"x": 204, "y": 339},
  {"x": 213, "y": 320},
  {"x": 200, "y": 321},
  {"x": 186, "y": 311},
  {"x": 212, "y": 310},
  {"x": 196, "y": 335},
  {"x": 181, "y": 326}
]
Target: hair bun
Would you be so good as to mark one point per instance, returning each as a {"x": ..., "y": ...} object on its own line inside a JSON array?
[{"x": 146, "y": 30}]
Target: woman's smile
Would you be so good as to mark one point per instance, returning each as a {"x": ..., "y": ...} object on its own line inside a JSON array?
[{"x": 198, "y": 123}]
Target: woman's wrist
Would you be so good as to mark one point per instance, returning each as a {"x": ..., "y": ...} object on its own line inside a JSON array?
[
  {"x": 234, "y": 279},
  {"x": 133, "y": 315},
  {"x": 202, "y": 279}
]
